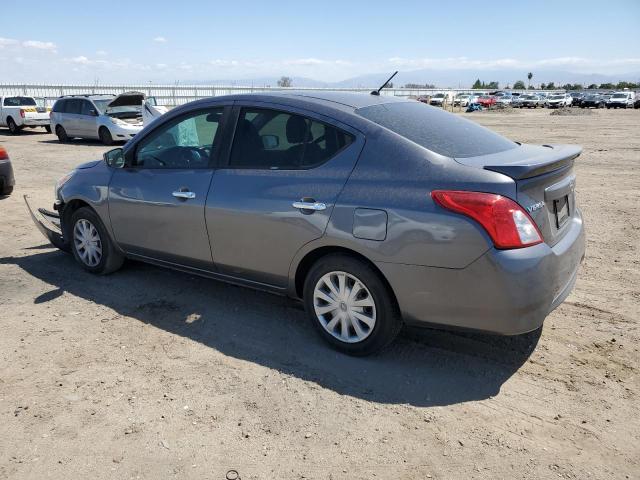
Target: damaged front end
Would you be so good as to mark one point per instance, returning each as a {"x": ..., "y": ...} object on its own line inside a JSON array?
[{"x": 49, "y": 224}]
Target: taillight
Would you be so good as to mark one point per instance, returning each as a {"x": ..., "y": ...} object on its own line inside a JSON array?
[
  {"x": 3, "y": 154},
  {"x": 22, "y": 113},
  {"x": 506, "y": 222}
]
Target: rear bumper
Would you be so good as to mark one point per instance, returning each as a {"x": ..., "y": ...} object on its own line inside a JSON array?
[
  {"x": 504, "y": 291},
  {"x": 6, "y": 174},
  {"x": 36, "y": 122}
]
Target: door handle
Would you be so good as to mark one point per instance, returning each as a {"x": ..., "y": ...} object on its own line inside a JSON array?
[
  {"x": 312, "y": 206},
  {"x": 185, "y": 195}
]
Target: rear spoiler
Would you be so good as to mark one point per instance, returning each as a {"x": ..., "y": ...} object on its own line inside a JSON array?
[{"x": 545, "y": 159}]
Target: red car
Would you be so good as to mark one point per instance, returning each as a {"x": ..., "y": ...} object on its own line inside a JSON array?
[{"x": 487, "y": 101}]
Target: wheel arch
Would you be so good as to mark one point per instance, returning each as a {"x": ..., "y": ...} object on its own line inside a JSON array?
[
  {"x": 311, "y": 257},
  {"x": 69, "y": 208}
]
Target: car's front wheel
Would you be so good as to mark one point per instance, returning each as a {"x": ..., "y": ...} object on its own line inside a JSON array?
[
  {"x": 105, "y": 136},
  {"x": 351, "y": 305},
  {"x": 47, "y": 128},
  {"x": 91, "y": 246}
]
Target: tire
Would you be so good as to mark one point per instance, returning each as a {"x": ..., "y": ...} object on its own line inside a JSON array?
[
  {"x": 62, "y": 134},
  {"x": 14, "y": 129},
  {"x": 105, "y": 136},
  {"x": 47, "y": 128},
  {"x": 100, "y": 256},
  {"x": 381, "y": 306}
]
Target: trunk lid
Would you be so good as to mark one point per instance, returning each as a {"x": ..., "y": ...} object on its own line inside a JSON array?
[{"x": 545, "y": 182}]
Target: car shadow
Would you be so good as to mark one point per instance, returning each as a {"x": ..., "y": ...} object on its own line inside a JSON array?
[
  {"x": 78, "y": 141},
  {"x": 4, "y": 132},
  {"x": 424, "y": 367}
]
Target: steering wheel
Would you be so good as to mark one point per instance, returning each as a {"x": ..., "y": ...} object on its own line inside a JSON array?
[{"x": 194, "y": 155}]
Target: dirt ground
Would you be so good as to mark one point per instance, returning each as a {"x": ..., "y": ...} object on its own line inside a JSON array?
[{"x": 154, "y": 374}]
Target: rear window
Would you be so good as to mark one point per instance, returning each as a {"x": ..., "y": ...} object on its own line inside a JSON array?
[
  {"x": 437, "y": 130},
  {"x": 19, "y": 102}
]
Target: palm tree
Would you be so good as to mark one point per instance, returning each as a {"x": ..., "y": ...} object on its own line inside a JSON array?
[{"x": 529, "y": 76}]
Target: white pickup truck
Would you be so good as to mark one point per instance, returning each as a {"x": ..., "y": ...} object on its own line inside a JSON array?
[{"x": 18, "y": 112}]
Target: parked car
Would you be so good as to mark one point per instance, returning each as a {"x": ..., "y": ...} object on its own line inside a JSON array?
[
  {"x": 462, "y": 99},
  {"x": 504, "y": 99},
  {"x": 18, "y": 112},
  {"x": 605, "y": 97},
  {"x": 636, "y": 103},
  {"x": 473, "y": 97},
  {"x": 621, "y": 100},
  {"x": 295, "y": 194},
  {"x": 577, "y": 98},
  {"x": 531, "y": 101},
  {"x": 592, "y": 100},
  {"x": 516, "y": 102},
  {"x": 559, "y": 100},
  {"x": 104, "y": 117},
  {"x": 439, "y": 99},
  {"x": 7, "y": 180},
  {"x": 487, "y": 101}
]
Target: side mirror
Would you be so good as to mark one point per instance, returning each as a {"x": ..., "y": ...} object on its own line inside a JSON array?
[
  {"x": 114, "y": 158},
  {"x": 269, "y": 142},
  {"x": 93, "y": 113}
]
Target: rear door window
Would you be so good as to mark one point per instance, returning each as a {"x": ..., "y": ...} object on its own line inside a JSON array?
[
  {"x": 276, "y": 140},
  {"x": 73, "y": 105},
  {"x": 437, "y": 130}
]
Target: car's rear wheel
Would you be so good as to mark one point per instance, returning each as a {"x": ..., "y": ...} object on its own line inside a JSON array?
[
  {"x": 105, "y": 136},
  {"x": 61, "y": 133},
  {"x": 13, "y": 127},
  {"x": 91, "y": 246},
  {"x": 47, "y": 128},
  {"x": 351, "y": 305}
]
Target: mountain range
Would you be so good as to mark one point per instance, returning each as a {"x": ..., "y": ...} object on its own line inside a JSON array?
[{"x": 462, "y": 78}]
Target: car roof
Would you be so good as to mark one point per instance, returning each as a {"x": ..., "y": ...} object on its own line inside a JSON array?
[{"x": 335, "y": 99}]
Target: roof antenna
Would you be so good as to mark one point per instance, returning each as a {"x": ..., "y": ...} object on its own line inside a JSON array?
[{"x": 377, "y": 92}]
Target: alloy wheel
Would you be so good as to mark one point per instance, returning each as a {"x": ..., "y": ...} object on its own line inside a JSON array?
[
  {"x": 87, "y": 242},
  {"x": 344, "y": 306}
]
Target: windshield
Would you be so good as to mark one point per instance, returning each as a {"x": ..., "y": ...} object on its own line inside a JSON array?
[
  {"x": 101, "y": 104},
  {"x": 438, "y": 95},
  {"x": 556, "y": 97},
  {"x": 436, "y": 130},
  {"x": 19, "y": 102},
  {"x": 619, "y": 95}
]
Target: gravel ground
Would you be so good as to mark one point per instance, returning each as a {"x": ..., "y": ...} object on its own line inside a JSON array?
[{"x": 154, "y": 374}]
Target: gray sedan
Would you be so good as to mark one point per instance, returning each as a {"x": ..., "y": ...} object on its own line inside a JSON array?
[{"x": 372, "y": 210}]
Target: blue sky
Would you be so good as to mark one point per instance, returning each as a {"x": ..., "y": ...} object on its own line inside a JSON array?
[{"x": 161, "y": 41}]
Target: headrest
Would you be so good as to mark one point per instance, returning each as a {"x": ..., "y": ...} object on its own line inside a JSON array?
[{"x": 298, "y": 130}]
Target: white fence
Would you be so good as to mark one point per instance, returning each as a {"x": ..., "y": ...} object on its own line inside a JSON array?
[{"x": 179, "y": 94}]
